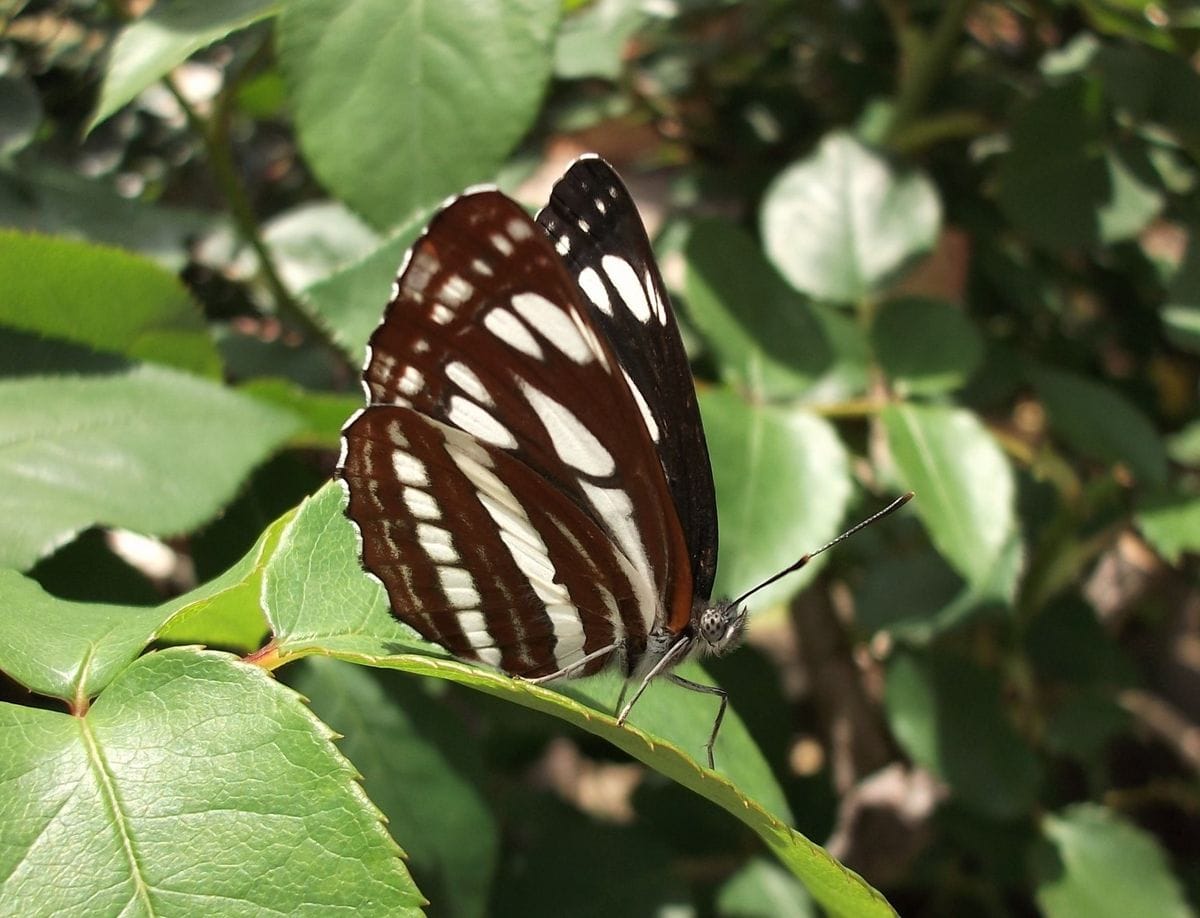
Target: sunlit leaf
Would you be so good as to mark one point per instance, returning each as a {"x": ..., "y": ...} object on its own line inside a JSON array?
[
  {"x": 163, "y": 757},
  {"x": 1102, "y": 866},
  {"x": 841, "y": 222},
  {"x": 402, "y": 138}
]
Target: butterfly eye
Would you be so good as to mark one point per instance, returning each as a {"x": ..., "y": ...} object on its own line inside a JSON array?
[{"x": 712, "y": 626}]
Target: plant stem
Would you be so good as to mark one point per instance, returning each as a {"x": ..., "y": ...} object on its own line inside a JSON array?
[
  {"x": 215, "y": 135},
  {"x": 926, "y": 58}
]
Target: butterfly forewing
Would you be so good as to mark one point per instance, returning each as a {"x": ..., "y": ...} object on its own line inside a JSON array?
[
  {"x": 596, "y": 229},
  {"x": 567, "y": 533}
]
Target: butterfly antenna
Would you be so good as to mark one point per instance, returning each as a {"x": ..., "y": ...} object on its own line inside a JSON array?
[{"x": 804, "y": 559}]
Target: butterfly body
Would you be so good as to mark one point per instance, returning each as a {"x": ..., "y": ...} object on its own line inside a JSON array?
[{"x": 530, "y": 479}]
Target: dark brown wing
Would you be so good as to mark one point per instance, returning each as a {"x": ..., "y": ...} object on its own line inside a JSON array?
[{"x": 485, "y": 339}]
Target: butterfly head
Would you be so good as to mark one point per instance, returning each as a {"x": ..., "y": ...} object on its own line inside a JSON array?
[{"x": 719, "y": 627}]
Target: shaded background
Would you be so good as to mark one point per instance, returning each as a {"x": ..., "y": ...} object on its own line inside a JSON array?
[{"x": 947, "y": 247}]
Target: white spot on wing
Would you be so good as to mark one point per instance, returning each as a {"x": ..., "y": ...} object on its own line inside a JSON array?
[
  {"x": 458, "y": 587},
  {"x": 474, "y": 420},
  {"x": 409, "y": 469},
  {"x": 651, "y": 424},
  {"x": 616, "y": 510},
  {"x": 563, "y": 245},
  {"x": 519, "y": 229},
  {"x": 479, "y": 266},
  {"x": 396, "y": 435},
  {"x": 474, "y": 626},
  {"x": 656, "y": 301},
  {"x": 593, "y": 286},
  {"x": 437, "y": 543},
  {"x": 502, "y": 244},
  {"x": 464, "y": 377},
  {"x": 575, "y": 444},
  {"x": 456, "y": 290},
  {"x": 630, "y": 289},
  {"x": 421, "y": 504},
  {"x": 554, "y": 324},
  {"x": 421, "y": 269},
  {"x": 529, "y": 551},
  {"x": 412, "y": 381},
  {"x": 508, "y": 328},
  {"x": 441, "y": 314}
]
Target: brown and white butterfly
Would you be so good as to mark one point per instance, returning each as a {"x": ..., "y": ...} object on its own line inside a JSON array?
[{"x": 530, "y": 478}]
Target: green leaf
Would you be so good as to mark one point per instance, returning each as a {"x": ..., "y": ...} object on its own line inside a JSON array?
[
  {"x": 760, "y": 889},
  {"x": 168, "y": 34},
  {"x": 842, "y": 222},
  {"x": 764, "y": 335},
  {"x": 1150, "y": 87},
  {"x": 45, "y": 199},
  {"x": 104, "y": 298},
  {"x": 946, "y": 713},
  {"x": 916, "y": 598},
  {"x": 592, "y": 40},
  {"x": 20, "y": 112},
  {"x": 1050, "y": 190},
  {"x": 964, "y": 489},
  {"x": 227, "y": 610},
  {"x": 1101, "y": 866},
  {"x": 421, "y": 767},
  {"x": 926, "y": 346},
  {"x": 323, "y": 413},
  {"x": 68, "y": 650},
  {"x": 150, "y": 450},
  {"x": 1084, "y": 724},
  {"x": 1171, "y": 523},
  {"x": 312, "y": 240},
  {"x": 350, "y": 302},
  {"x": 441, "y": 93},
  {"x": 1061, "y": 183},
  {"x": 319, "y": 601},
  {"x": 564, "y": 862},
  {"x": 1184, "y": 445},
  {"x": 770, "y": 465},
  {"x": 143, "y": 805},
  {"x": 1181, "y": 311},
  {"x": 1132, "y": 201},
  {"x": 1100, "y": 422},
  {"x": 72, "y": 650}
]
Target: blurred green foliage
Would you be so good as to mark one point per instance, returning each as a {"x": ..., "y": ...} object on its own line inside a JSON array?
[{"x": 952, "y": 247}]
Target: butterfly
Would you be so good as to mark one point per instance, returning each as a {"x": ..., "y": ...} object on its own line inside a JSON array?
[{"x": 530, "y": 479}]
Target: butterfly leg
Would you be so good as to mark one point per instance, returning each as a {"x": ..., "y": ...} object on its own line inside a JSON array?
[
  {"x": 578, "y": 664},
  {"x": 708, "y": 690},
  {"x": 674, "y": 654}
]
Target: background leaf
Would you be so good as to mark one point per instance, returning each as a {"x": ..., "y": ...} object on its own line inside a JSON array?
[
  {"x": 925, "y": 346},
  {"x": 1100, "y": 422},
  {"x": 840, "y": 222},
  {"x": 783, "y": 487},
  {"x": 422, "y": 768},
  {"x": 765, "y": 336},
  {"x": 162, "y": 39},
  {"x": 963, "y": 484},
  {"x": 150, "y": 449},
  {"x": 1103, "y": 866},
  {"x": 386, "y": 152},
  {"x": 104, "y": 298}
]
